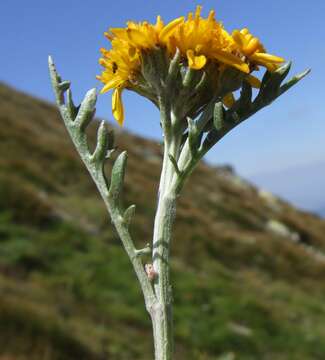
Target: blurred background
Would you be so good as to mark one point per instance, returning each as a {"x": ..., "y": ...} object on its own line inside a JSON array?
[{"x": 249, "y": 251}]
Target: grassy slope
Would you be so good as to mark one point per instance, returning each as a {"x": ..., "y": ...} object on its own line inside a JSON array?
[{"x": 67, "y": 290}]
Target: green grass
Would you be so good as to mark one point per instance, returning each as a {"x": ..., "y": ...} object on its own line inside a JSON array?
[{"x": 83, "y": 280}]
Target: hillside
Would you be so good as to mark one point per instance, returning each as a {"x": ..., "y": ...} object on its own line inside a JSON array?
[{"x": 248, "y": 268}]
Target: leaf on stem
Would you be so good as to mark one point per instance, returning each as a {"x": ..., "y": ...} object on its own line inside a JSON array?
[
  {"x": 270, "y": 85},
  {"x": 189, "y": 77},
  {"x": 64, "y": 85},
  {"x": 175, "y": 165},
  {"x": 192, "y": 136},
  {"x": 218, "y": 120},
  {"x": 174, "y": 67},
  {"x": 128, "y": 215},
  {"x": 72, "y": 109},
  {"x": 102, "y": 145},
  {"x": 117, "y": 177},
  {"x": 87, "y": 110},
  {"x": 245, "y": 100},
  {"x": 145, "y": 251},
  {"x": 293, "y": 81}
]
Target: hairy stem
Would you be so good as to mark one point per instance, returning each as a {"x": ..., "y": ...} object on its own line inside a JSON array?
[{"x": 161, "y": 312}]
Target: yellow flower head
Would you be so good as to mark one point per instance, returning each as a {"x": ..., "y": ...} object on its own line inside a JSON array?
[
  {"x": 254, "y": 51},
  {"x": 200, "y": 41}
]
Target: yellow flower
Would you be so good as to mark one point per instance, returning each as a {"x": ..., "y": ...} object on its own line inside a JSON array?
[
  {"x": 200, "y": 41},
  {"x": 254, "y": 51}
]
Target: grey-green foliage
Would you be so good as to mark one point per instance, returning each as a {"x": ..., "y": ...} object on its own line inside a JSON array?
[
  {"x": 215, "y": 121},
  {"x": 245, "y": 106},
  {"x": 76, "y": 120}
]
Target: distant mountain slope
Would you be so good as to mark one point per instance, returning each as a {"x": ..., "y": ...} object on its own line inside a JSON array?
[
  {"x": 302, "y": 185},
  {"x": 248, "y": 268}
]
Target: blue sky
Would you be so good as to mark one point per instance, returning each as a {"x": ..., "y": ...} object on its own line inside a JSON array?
[{"x": 288, "y": 133}]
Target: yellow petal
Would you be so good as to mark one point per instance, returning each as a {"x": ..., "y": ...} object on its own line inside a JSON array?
[
  {"x": 239, "y": 38},
  {"x": 232, "y": 60},
  {"x": 198, "y": 12},
  {"x": 109, "y": 36},
  {"x": 253, "y": 45},
  {"x": 195, "y": 62},
  {"x": 132, "y": 52},
  {"x": 267, "y": 58},
  {"x": 159, "y": 24},
  {"x": 253, "y": 81},
  {"x": 137, "y": 38},
  {"x": 169, "y": 28},
  {"x": 119, "y": 33},
  {"x": 228, "y": 100},
  {"x": 117, "y": 106},
  {"x": 211, "y": 16},
  {"x": 244, "y": 31},
  {"x": 104, "y": 62},
  {"x": 248, "y": 38},
  {"x": 112, "y": 83}
]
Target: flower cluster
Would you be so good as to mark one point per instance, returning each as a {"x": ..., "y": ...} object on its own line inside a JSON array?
[{"x": 201, "y": 42}]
